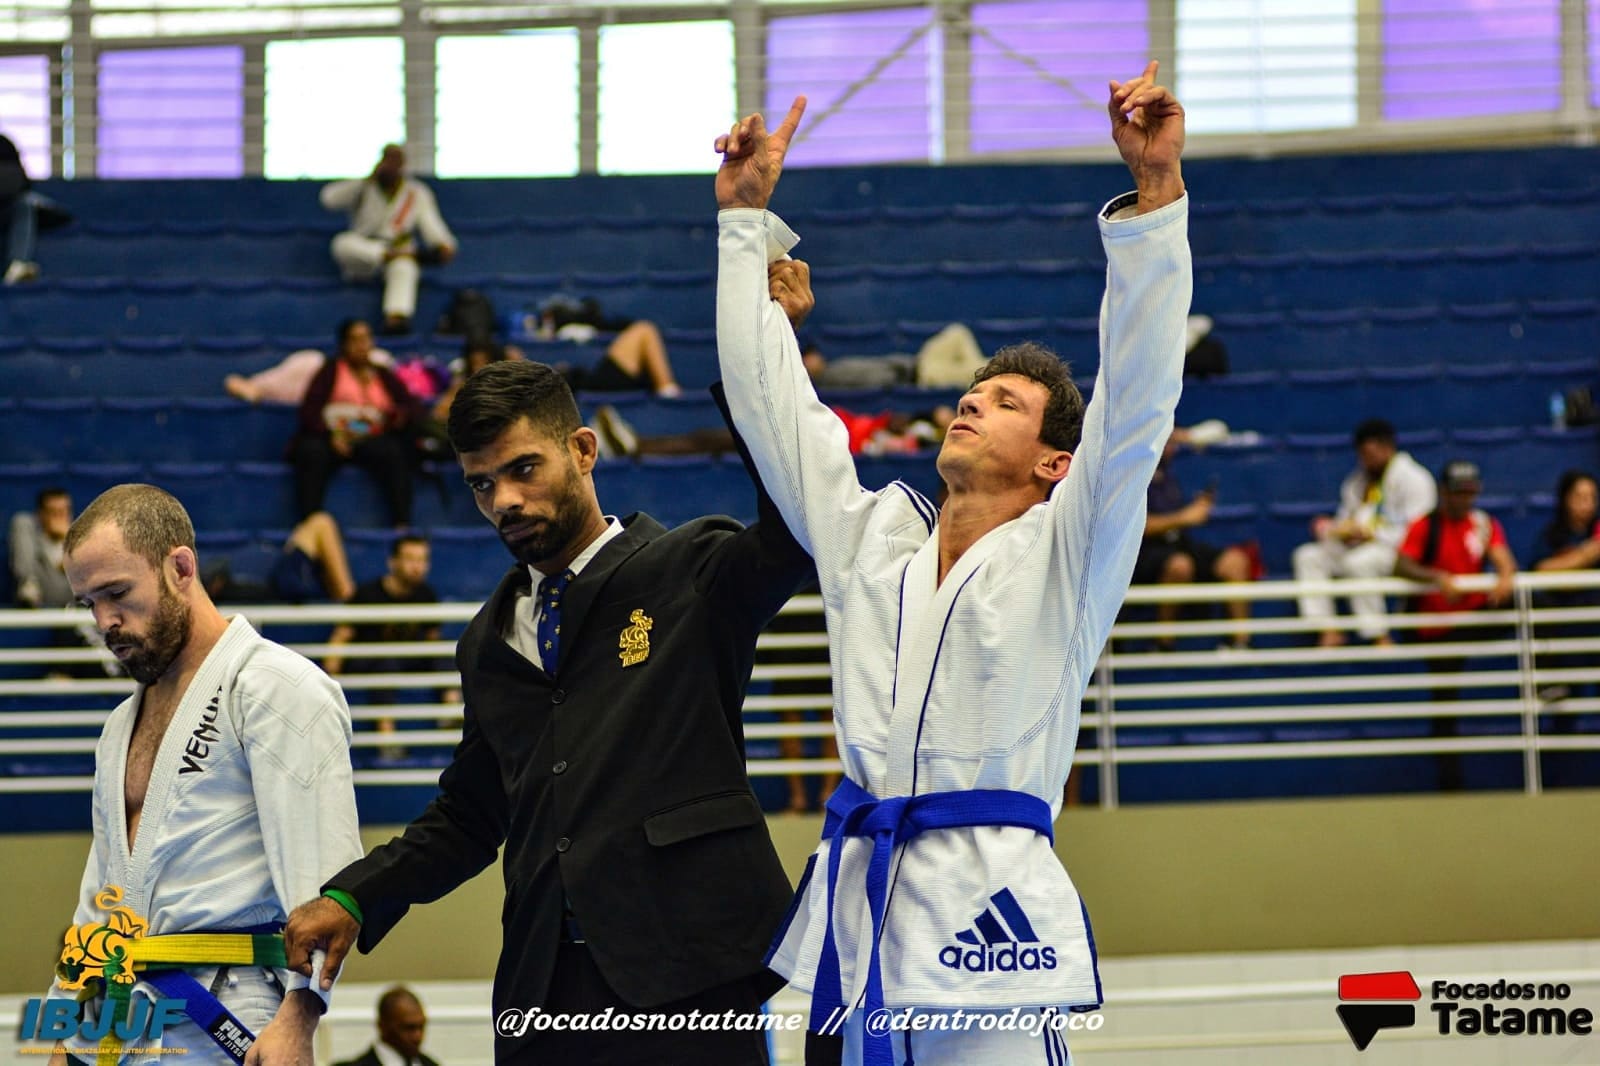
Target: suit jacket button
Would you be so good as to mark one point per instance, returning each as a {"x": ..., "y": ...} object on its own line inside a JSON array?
[
  {"x": 563, "y": 845},
  {"x": 557, "y": 696},
  {"x": 559, "y": 768}
]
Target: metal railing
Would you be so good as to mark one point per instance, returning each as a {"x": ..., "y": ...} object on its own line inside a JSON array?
[{"x": 1517, "y": 667}]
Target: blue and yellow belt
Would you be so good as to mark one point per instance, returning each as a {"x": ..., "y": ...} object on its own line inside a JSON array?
[{"x": 104, "y": 957}]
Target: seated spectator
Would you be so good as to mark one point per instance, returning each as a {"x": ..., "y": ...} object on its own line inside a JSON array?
[
  {"x": 477, "y": 352},
  {"x": 1570, "y": 541},
  {"x": 22, "y": 213},
  {"x": 404, "y": 583},
  {"x": 285, "y": 383},
  {"x": 817, "y": 688},
  {"x": 387, "y": 213},
  {"x": 38, "y": 538},
  {"x": 36, "y": 543},
  {"x": 1169, "y": 555},
  {"x": 401, "y": 1026},
  {"x": 311, "y": 566},
  {"x": 355, "y": 411},
  {"x": 1380, "y": 499},
  {"x": 1454, "y": 540}
]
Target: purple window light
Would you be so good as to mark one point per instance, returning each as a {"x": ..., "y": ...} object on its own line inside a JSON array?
[
  {"x": 886, "y": 120},
  {"x": 1040, "y": 68},
  {"x": 172, "y": 113},
  {"x": 25, "y": 89},
  {"x": 1462, "y": 58}
]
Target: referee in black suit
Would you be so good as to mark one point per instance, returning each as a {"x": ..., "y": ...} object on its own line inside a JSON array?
[{"x": 603, "y": 747}]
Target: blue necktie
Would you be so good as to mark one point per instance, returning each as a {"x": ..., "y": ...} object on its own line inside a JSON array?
[{"x": 549, "y": 629}]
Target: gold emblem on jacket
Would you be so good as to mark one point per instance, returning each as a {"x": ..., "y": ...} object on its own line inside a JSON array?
[{"x": 635, "y": 639}]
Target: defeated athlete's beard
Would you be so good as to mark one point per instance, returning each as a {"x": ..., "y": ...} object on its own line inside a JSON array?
[
  {"x": 537, "y": 540},
  {"x": 155, "y": 651}
]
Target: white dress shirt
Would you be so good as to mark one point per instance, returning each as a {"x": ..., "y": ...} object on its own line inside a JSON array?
[{"x": 522, "y": 628}]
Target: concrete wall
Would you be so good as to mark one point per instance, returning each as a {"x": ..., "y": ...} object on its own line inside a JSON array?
[{"x": 1166, "y": 880}]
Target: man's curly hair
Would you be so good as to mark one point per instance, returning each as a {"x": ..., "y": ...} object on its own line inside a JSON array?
[{"x": 1062, "y": 425}]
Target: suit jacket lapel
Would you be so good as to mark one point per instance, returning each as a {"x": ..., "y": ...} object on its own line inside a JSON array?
[{"x": 638, "y": 530}]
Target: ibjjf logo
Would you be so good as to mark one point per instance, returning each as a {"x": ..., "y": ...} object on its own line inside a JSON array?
[
  {"x": 59, "y": 1019},
  {"x": 997, "y": 941}
]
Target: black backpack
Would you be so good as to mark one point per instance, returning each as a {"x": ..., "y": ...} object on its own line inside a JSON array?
[{"x": 471, "y": 314}]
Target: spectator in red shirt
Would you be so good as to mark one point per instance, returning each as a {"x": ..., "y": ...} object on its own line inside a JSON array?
[{"x": 1451, "y": 542}]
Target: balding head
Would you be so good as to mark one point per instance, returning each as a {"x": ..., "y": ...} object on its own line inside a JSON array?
[{"x": 401, "y": 1021}]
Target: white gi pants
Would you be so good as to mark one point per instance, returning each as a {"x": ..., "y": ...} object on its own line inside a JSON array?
[
  {"x": 1323, "y": 560},
  {"x": 361, "y": 258},
  {"x": 973, "y": 1047}
]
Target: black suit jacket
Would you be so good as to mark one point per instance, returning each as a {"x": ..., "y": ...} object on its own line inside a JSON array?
[
  {"x": 622, "y": 787},
  {"x": 371, "y": 1059}
]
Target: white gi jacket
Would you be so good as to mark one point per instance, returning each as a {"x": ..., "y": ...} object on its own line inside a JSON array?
[
  {"x": 975, "y": 683},
  {"x": 1405, "y": 493},
  {"x": 250, "y": 808},
  {"x": 389, "y": 218}
]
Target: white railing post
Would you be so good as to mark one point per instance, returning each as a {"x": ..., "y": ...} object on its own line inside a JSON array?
[
  {"x": 1107, "y": 733},
  {"x": 1532, "y": 781}
]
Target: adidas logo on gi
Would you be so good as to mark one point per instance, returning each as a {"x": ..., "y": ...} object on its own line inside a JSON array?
[{"x": 997, "y": 941}]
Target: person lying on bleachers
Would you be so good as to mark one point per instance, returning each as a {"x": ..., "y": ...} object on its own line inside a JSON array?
[
  {"x": 948, "y": 355},
  {"x": 883, "y": 433},
  {"x": 285, "y": 382},
  {"x": 635, "y": 359},
  {"x": 310, "y": 566},
  {"x": 388, "y": 211}
]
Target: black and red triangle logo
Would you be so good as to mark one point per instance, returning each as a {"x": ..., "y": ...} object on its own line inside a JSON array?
[{"x": 1371, "y": 1002}]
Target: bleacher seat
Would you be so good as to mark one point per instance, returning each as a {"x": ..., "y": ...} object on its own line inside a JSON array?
[{"x": 1455, "y": 311}]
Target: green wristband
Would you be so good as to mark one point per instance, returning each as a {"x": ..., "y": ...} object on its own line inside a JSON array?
[{"x": 347, "y": 901}]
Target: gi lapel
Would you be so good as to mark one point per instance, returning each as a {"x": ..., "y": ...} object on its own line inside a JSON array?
[
  {"x": 110, "y": 785},
  {"x": 185, "y": 750},
  {"x": 926, "y": 622}
]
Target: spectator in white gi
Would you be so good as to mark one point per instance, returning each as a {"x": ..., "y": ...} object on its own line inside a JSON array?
[
  {"x": 1377, "y": 504},
  {"x": 387, "y": 213}
]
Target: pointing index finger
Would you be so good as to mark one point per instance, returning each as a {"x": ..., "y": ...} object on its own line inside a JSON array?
[{"x": 791, "y": 122}]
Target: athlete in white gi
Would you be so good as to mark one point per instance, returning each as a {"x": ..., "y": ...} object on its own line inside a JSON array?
[
  {"x": 961, "y": 640},
  {"x": 387, "y": 210},
  {"x": 222, "y": 793}
]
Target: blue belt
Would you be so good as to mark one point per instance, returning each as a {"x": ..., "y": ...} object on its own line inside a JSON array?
[
  {"x": 205, "y": 1009},
  {"x": 855, "y": 812}
]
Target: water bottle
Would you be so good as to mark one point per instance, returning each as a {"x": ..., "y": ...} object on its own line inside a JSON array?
[{"x": 1558, "y": 411}]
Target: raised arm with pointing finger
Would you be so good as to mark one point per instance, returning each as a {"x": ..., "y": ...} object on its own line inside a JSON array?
[{"x": 961, "y": 639}]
